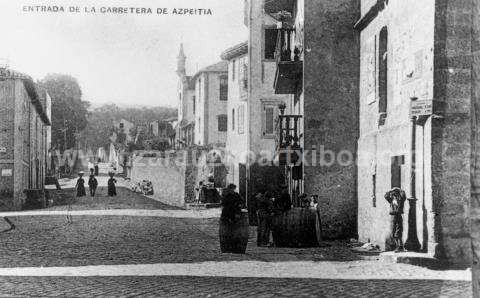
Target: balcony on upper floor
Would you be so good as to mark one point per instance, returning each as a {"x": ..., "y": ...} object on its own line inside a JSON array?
[
  {"x": 289, "y": 73},
  {"x": 287, "y": 138}
]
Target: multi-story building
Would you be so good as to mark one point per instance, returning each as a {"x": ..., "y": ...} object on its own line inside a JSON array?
[
  {"x": 185, "y": 128},
  {"x": 237, "y": 110},
  {"x": 419, "y": 86},
  {"x": 210, "y": 105},
  {"x": 301, "y": 120},
  {"x": 263, "y": 102},
  {"x": 23, "y": 138}
]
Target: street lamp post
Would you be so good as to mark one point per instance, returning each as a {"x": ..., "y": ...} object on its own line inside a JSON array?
[{"x": 412, "y": 242}]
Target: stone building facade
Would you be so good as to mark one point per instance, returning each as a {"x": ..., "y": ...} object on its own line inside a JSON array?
[
  {"x": 237, "y": 136},
  {"x": 417, "y": 53},
  {"x": 23, "y": 138}
]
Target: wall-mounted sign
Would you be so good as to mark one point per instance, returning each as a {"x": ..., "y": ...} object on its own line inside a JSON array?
[
  {"x": 7, "y": 172},
  {"x": 421, "y": 108},
  {"x": 3, "y": 149}
]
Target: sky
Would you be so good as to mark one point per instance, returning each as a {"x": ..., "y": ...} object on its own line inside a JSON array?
[{"x": 127, "y": 59}]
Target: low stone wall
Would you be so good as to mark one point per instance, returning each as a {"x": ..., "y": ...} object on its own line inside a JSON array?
[{"x": 167, "y": 177}]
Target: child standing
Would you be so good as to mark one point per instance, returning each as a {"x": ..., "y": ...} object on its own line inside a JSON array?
[
  {"x": 92, "y": 183},
  {"x": 112, "y": 190}
]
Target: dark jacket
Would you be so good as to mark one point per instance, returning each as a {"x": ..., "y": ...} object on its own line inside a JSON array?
[
  {"x": 92, "y": 182},
  {"x": 232, "y": 204},
  {"x": 264, "y": 205},
  {"x": 284, "y": 202}
]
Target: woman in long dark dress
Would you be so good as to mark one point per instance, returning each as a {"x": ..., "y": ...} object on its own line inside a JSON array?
[
  {"x": 233, "y": 222},
  {"x": 80, "y": 186}
]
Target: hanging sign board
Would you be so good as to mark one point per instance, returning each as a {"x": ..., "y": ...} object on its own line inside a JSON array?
[
  {"x": 7, "y": 172},
  {"x": 421, "y": 108}
]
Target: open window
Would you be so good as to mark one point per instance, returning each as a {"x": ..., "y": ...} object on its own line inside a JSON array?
[
  {"x": 396, "y": 171},
  {"x": 270, "y": 43}
]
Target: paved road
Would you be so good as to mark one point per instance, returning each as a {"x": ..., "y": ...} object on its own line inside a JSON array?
[
  {"x": 187, "y": 286},
  {"x": 185, "y": 261}
]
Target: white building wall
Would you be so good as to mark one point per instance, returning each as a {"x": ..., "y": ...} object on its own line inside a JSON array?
[{"x": 237, "y": 137}]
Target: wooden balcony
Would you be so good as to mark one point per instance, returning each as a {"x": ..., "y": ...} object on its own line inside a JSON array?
[
  {"x": 289, "y": 73},
  {"x": 288, "y": 138}
]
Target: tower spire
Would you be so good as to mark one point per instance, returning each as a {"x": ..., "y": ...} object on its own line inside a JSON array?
[{"x": 181, "y": 59}]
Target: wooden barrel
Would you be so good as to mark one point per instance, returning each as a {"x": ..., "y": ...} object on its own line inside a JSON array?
[
  {"x": 234, "y": 236},
  {"x": 296, "y": 228}
]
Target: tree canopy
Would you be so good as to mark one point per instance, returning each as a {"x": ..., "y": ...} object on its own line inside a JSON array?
[
  {"x": 69, "y": 111},
  {"x": 101, "y": 122}
]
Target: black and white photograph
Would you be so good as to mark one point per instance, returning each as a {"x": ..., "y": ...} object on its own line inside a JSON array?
[{"x": 240, "y": 148}]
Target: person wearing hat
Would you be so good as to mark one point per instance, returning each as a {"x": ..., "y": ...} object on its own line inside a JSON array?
[
  {"x": 232, "y": 204},
  {"x": 92, "y": 183},
  {"x": 112, "y": 189},
  {"x": 284, "y": 201},
  {"x": 80, "y": 186}
]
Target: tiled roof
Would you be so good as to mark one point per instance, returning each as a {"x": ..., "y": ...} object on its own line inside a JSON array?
[
  {"x": 235, "y": 51},
  {"x": 30, "y": 87},
  {"x": 221, "y": 66}
]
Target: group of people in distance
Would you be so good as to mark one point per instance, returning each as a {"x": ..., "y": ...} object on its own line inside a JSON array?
[
  {"x": 268, "y": 204},
  {"x": 93, "y": 184}
]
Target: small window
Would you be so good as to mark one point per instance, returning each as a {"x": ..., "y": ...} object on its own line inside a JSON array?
[
  {"x": 241, "y": 119},
  {"x": 223, "y": 88},
  {"x": 245, "y": 76},
  {"x": 222, "y": 122},
  {"x": 233, "y": 69},
  {"x": 233, "y": 119},
  {"x": 270, "y": 43},
  {"x": 194, "y": 104}
]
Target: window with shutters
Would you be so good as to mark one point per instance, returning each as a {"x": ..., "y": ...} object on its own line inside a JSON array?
[
  {"x": 241, "y": 119},
  {"x": 222, "y": 122},
  {"x": 268, "y": 121},
  {"x": 244, "y": 78},
  {"x": 382, "y": 75},
  {"x": 223, "y": 87}
]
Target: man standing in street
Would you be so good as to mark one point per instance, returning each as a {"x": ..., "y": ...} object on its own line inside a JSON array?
[
  {"x": 264, "y": 212},
  {"x": 92, "y": 183},
  {"x": 283, "y": 203}
]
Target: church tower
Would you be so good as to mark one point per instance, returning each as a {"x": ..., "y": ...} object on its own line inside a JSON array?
[{"x": 181, "y": 58}]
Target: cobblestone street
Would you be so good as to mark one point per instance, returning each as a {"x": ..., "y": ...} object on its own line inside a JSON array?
[{"x": 179, "y": 256}]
